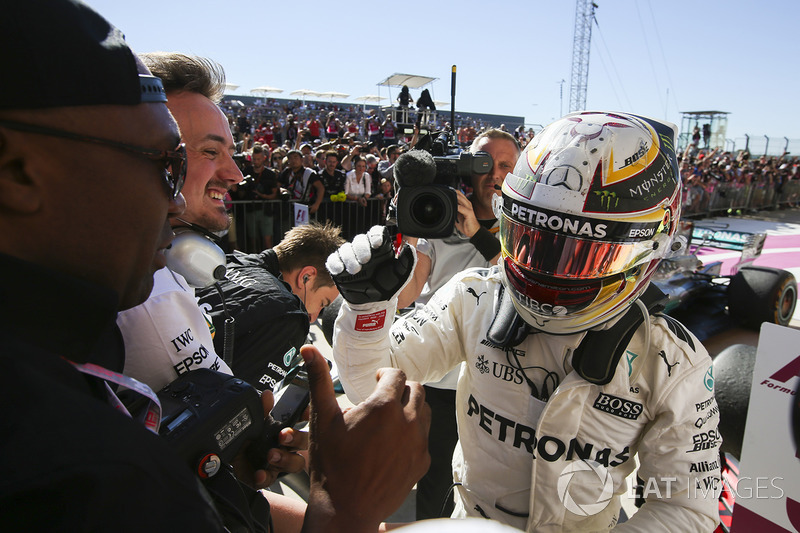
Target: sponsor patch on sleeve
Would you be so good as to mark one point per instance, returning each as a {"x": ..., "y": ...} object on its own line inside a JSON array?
[{"x": 371, "y": 321}]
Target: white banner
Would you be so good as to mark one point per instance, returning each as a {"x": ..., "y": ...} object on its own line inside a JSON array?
[{"x": 768, "y": 492}]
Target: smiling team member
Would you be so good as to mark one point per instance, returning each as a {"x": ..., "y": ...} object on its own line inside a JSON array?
[{"x": 167, "y": 335}]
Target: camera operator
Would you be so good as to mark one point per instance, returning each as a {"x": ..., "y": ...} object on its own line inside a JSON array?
[{"x": 473, "y": 244}]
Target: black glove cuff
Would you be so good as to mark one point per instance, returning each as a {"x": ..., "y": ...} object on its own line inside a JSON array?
[{"x": 485, "y": 243}]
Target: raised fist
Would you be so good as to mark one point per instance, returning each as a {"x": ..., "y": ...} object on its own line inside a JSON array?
[{"x": 368, "y": 270}]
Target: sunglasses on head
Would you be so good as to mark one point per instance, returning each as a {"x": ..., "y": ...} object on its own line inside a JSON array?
[{"x": 174, "y": 161}]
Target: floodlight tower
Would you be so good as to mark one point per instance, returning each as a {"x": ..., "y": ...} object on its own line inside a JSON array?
[{"x": 584, "y": 16}]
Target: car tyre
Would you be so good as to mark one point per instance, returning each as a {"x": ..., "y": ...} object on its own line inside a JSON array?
[{"x": 762, "y": 294}]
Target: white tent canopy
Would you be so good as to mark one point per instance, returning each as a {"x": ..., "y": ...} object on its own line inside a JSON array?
[
  {"x": 334, "y": 94},
  {"x": 265, "y": 89},
  {"x": 304, "y": 93},
  {"x": 411, "y": 80}
]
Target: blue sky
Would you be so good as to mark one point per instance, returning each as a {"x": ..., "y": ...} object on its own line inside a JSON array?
[{"x": 648, "y": 57}]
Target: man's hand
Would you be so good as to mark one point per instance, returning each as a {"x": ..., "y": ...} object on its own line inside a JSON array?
[
  {"x": 280, "y": 460},
  {"x": 367, "y": 269},
  {"x": 466, "y": 221},
  {"x": 363, "y": 462}
]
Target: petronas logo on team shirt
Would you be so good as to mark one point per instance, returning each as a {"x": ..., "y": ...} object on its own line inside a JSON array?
[{"x": 289, "y": 356}]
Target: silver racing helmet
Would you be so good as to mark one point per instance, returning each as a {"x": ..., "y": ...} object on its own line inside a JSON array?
[{"x": 589, "y": 211}]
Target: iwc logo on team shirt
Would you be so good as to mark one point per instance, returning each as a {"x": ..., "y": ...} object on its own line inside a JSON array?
[{"x": 618, "y": 406}]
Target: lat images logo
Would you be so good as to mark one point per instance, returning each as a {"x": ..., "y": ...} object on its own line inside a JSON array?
[{"x": 578, "y": 476}]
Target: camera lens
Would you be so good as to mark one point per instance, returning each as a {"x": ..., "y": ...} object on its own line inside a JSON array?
[{"x": 426, "y": 209}]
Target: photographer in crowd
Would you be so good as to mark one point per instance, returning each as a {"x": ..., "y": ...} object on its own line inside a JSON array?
[
  {"x": 95, "y": 209},
  {"x": 545, "y": 395}
]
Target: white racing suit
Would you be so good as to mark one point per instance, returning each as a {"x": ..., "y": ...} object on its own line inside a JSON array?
[{"x": 552, "y": 467}]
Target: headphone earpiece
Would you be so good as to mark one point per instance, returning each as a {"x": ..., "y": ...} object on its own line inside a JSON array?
[
  {"x": 305, "y": 278},
  {"x": 196, "y": 257}
]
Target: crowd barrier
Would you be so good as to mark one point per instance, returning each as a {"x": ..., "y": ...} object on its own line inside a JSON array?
[
  {"x": 352, "y": 217},
  {"x": 717, "y": 198}
]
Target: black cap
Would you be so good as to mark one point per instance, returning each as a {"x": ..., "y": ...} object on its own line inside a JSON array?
[{"x": 61, "y": 53}]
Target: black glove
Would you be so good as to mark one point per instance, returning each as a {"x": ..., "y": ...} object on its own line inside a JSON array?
[{"x": 367, "y": 270}]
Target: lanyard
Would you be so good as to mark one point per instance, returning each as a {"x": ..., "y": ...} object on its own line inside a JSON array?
[{"x": 151, "y": 418}]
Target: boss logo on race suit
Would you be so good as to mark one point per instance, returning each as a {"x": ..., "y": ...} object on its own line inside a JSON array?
[
  {"x": 700, "y": 422},
  {"x": 618, "y": 406},
  {"x": 547, "y": 447},
  {"x": 705, "y": 441},
  {"x": 577, "y": 226},
  {"x": 704, "y": 466}
]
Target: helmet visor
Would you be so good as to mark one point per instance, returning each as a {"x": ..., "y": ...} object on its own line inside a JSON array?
[{"x": 567, "y": 256}]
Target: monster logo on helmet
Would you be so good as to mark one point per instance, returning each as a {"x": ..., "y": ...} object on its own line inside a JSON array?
[{"x": 586, "y": 216}]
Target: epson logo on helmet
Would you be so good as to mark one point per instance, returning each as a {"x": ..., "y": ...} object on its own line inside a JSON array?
[{"x": 554, "y": 222}]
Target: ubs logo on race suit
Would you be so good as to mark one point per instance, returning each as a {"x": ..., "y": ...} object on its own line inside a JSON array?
[
  {"x": 547, "y": 447},
  {"x": 618, "y": 406}
]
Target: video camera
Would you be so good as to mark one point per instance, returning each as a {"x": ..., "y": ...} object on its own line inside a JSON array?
[
  {"x": 208, "y": 416},
  {"x": 428, "y": 178}
]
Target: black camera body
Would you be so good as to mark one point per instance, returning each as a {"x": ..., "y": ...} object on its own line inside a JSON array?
[
  {"x": 429, "y": 210},
  {"x": 207, "y": 416}
]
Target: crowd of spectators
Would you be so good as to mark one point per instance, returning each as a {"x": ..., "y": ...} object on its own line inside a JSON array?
[
  {"x": 714, "y": 174},
  {"x": 341, "y": 155}
]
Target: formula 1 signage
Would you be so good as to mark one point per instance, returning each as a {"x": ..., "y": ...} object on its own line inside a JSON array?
[{"x": 770, "y": 461}]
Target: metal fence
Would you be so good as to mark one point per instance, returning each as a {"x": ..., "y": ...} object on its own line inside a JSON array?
[
  {"x": 759, "y": 145},
  {"x": 252, "y": 219},
  {"x": 719, "y": 198}
]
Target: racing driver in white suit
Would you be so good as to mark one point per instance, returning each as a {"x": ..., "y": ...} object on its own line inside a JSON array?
[{"x": 570, "y": 370}]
